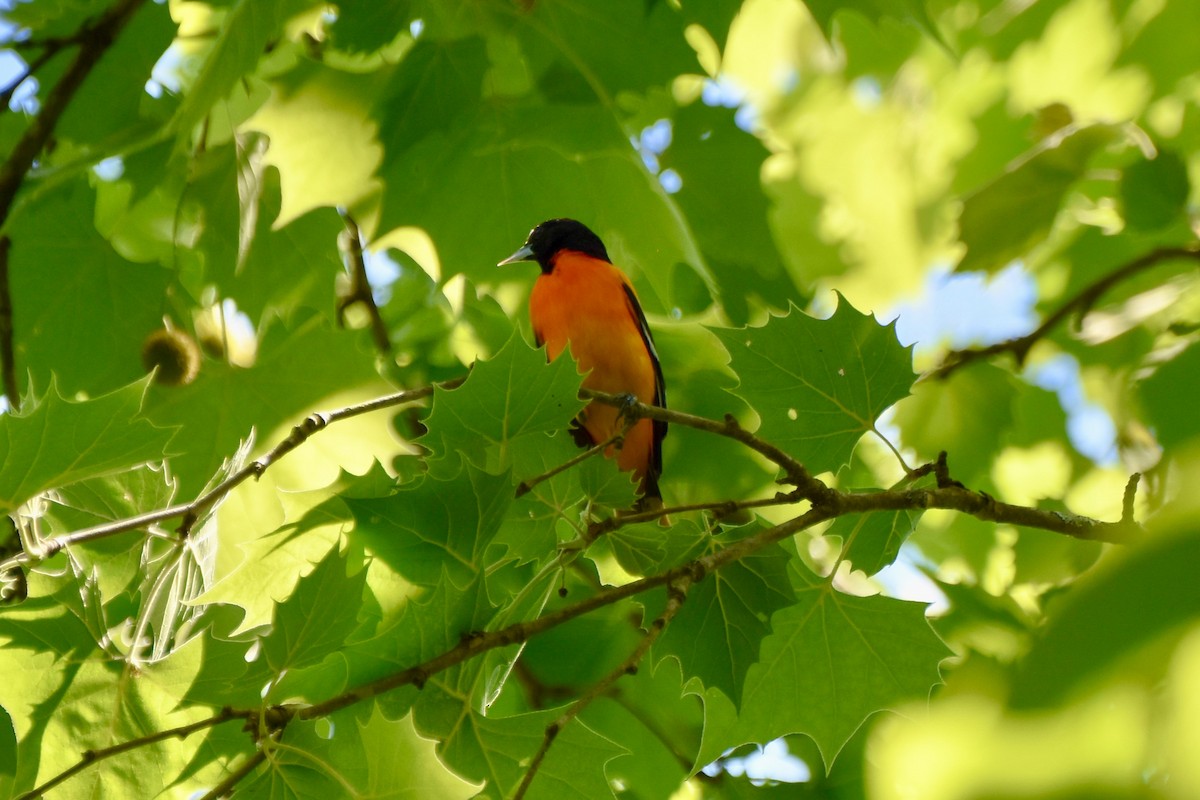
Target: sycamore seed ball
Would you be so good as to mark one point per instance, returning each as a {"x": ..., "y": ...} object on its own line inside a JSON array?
[{"x": 174, "y": 354}]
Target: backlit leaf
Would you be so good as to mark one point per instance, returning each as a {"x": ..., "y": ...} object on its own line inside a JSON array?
[{"x": 819, "y": 385}]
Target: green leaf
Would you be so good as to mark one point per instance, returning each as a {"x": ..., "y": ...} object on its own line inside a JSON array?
[
  {"x": 968, "y": 415},
  {"x": 717, "y": 633},
  {"x": 510, "y": 167},
  {"x": 819, "y": 385},
  {"x": 326, "y": 152},
  {"x": 531, "y": 531},
  {"x": 1051, "y": 559},
  {"x": 100, "y": 704},
  {"x": 437, "y": 83},
  {"x": 830, "y": 661},
  {"x": 318, "y": 616},
  {"x": 576, "y": 654},
  {"x": 512, "y": 395},
  {"x": 872, "y": 541},
  {"x": 911, "y": 11},
  {"x": 227, "y": 403},
  {"x": 961, "y": 542},
  {"x": 722, "y": 196},
  {"x": 650, "y": 548},
  {"x": 116, "y": 564},
  {"x": 244, "y": 34},
  {"x": 435, "y": 528},
  {"x": 81, "y": 310},
  {"x": 401, "y": 763},
  {"x": 1148, "y": 591},
  {"x": 1169, "y": 396},
  {"x": 261, "y": 266},
  {"x": 229, "y": 673},
  {"x": 577, "y": 40},
  {"x": 498, "y": 749},
  {"x": 55, "y": 17},
  {"x": 363, "y": 26},
  {"x": 1154, "y": 192},
  {"x": 55, "y": 442},
  {"x": 1003, "y": 219},
  {"x": 111, "y": 96}
]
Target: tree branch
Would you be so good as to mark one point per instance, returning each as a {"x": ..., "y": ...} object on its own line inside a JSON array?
[
  {"x": 94, "y": 40},
  {"x": 91, "y": 757},
  {"x": 677, "y": 593},
  {"x": 223, "y": 789},
  {"x": 720, "y": 508},
  {"x": 360, "y": 286},
  {"x": 476, "y": 644},
  {"x": 795, "y": 473},
  {"x": 826, "y": 504},
  {"x": 1080, "y": 303},
  {"x": 191, "y": 512}
]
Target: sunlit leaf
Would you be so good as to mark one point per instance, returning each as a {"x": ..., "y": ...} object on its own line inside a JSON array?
[
  {"x": 246, "y": 31},
  {"x": 111, "y": 96},
  {"x": 85, "y": 310},
  {"x": 819, "y": 385},
  {"x": 318, "y": 616},
  {"x": 56, "y": 442},
  {"x": 226, "y": 402},
  {"x": 497, "y": 750},
  {"x": 913, "y": 11},
  {"x": 435, "y": 527},
  {"x": 967, "y": 415},
  {"x": 512, "y": 395},
  {"x": 872, "y": 541}
]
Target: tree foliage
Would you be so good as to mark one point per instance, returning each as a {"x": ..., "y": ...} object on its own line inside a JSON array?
[{"x": 284, "y": 478}]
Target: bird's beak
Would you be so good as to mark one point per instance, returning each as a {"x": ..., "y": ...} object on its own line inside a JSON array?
[{"x": 524, "y": 254}]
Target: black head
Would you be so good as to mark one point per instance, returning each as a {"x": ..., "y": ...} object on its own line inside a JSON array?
[{"x": 554, "y": 235}]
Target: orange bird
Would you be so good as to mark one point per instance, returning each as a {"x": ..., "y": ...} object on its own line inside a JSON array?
[{"x": 583, "y": 300}]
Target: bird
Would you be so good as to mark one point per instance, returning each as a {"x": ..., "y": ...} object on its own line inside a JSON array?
[{"x": 583, "y": 300}]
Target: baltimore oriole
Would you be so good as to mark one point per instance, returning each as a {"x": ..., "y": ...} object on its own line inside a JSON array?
[{"x": 582, "y": 299}]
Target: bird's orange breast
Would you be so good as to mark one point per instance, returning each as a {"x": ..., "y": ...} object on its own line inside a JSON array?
[{"x": 583, "y": 302}]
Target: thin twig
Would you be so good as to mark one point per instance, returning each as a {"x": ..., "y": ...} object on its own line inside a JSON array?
[
  {"x": 191, "y": 512},
  {"x": 795, "y": 473},
  {"x": 720, "y": 508},
  {"x": 223, "y": 788},
  {"x": 8, "y": 361},
  {"x": 677, "y": 593},
  {"x": 476, "y": 644},
  {"x": 95, "y": 39},
  {"x": 1080, "y": 303},
  {"x": 360, "y": 286},
  {"x": 1129, "y": 497},
  {"x": 525, "y": 486},
  {"x": 91, "y": 757}
]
